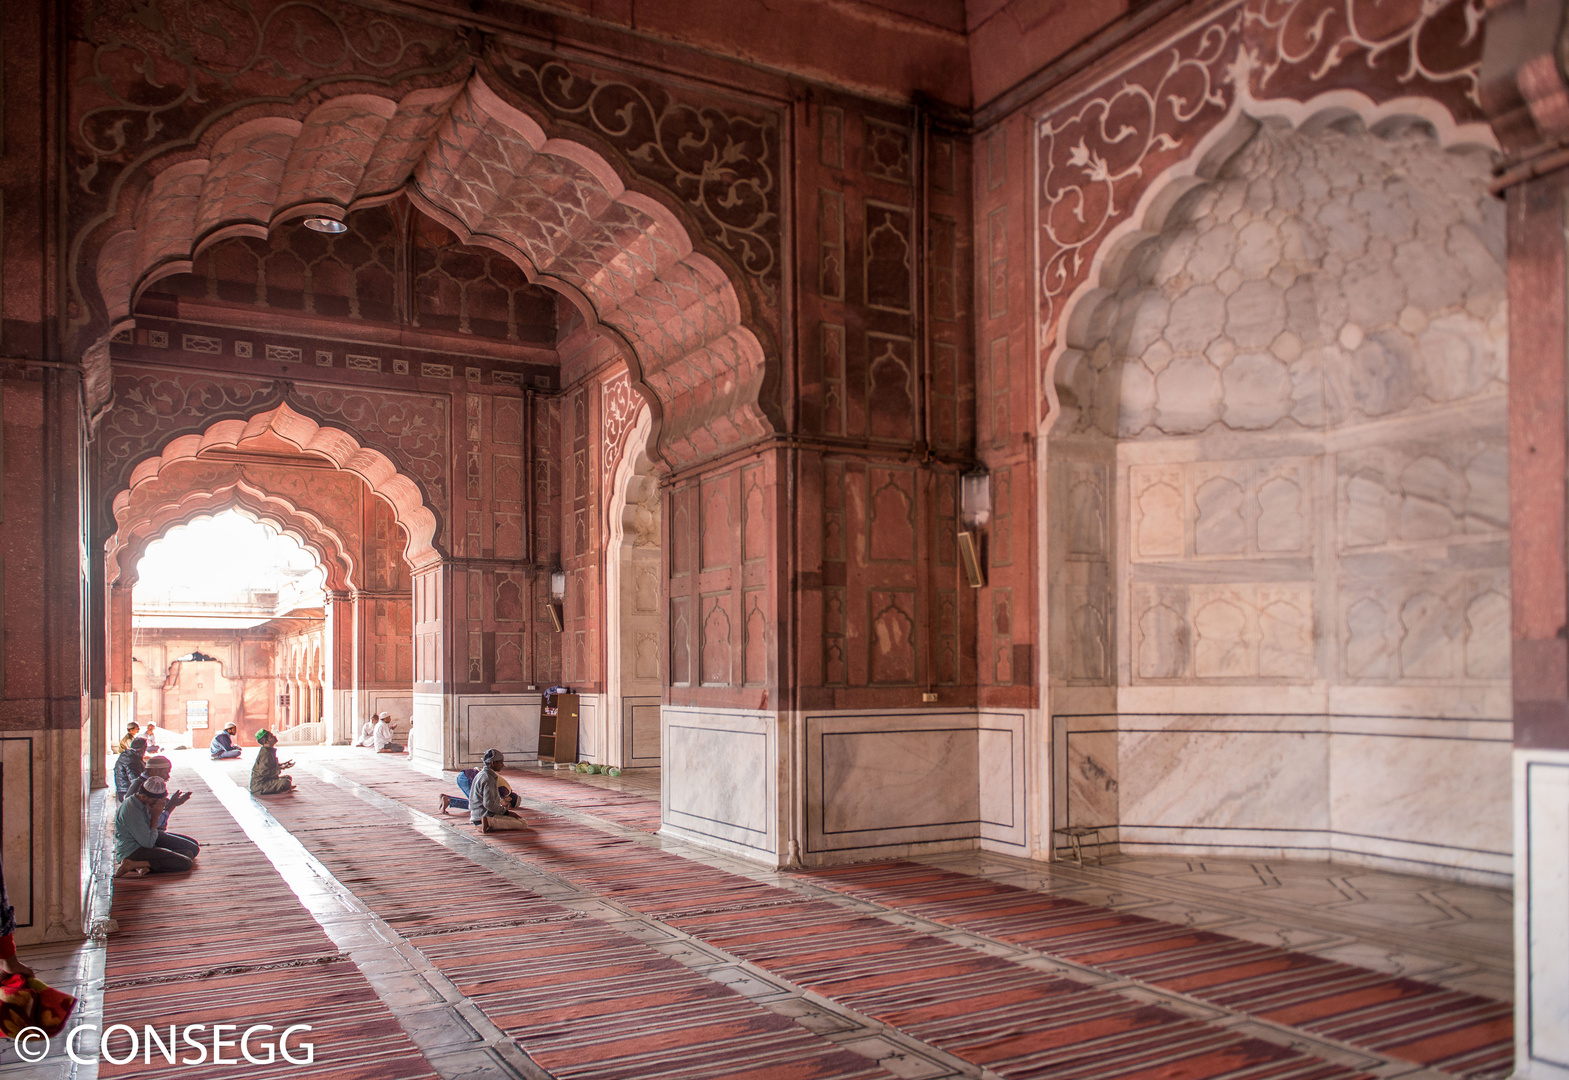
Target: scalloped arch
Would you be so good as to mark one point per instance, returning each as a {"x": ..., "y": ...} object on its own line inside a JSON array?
[
  {"x": 1167, "y": 191},
  {"x": 487, "y": 171},
  {"x": 310, "y": 438},
  {"x": 132, "y": 538}
]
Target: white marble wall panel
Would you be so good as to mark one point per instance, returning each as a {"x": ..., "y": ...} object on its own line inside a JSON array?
[
  {"x": 1091, "y": 778},
  {"x": 400, "y": 703},
  {"x": 591, "y": 735},
  {"x": 507, "y": 722},
  {"x": 900, "y": 782},
  {"x": 433, "y": 747},
  {"x": 1223, "y": 779},
  {"x": 640, "y": 729},
  {"x": 1451, "y": 796},
  {"x": 17, "y": 842},
  {"x": 1541, "y": 784},
  {"x": 1002, "y": 775},
  {"x": 44, "y": 779},
  {"x": 720, "y": 783},
  {"x": 1409, "y": 793}
]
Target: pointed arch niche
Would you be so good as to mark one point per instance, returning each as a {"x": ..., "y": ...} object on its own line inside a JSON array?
[{"x": 1275, "y": 459}]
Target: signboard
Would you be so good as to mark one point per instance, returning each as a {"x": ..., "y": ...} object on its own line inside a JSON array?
[{"x": 195, "y": 714}]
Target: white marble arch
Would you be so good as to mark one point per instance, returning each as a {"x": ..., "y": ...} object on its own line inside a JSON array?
[
  {"x": 628, "y": 731},
  {"x": 1329, "y": 682}
]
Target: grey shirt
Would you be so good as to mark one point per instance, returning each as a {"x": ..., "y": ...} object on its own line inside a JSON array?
[{"x": 485, "y": 796}]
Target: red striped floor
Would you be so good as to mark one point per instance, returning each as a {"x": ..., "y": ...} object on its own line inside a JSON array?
[
  {"x": 229, "y": 943},
  {"x": 1443, "y": 1029},
  {"x": 995, "y": 1013},
  {"x": 583, "y": 999}
]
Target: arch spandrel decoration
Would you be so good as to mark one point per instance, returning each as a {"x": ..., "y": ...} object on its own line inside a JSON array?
[
  {"x": 1114, "y": 159},
  {"x": 310, "y": 438}
]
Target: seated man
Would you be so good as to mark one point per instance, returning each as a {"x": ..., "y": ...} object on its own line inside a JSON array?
[
  {"x": 127, "y": 767},
  {"x": 139, "y": 846},
  {"x": 466, "y": 784},
  {"x": 161, "y": 767},
  {"x": 222, "y": 745},
  {"x": 382, "y": 742},
  {"x": 130, "y": 733},
  {"x": 267, "y": 774},
  {"x": 150, "y": 736},
  {"x": 368, "y": 732},
  {"x": 486, "y": 807}
]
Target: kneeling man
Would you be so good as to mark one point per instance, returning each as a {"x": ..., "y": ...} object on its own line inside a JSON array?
[{"x": 486, "y": 807}]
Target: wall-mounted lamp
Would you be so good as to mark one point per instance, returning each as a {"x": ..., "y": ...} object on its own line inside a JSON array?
[{"x": 975, "y": 498}]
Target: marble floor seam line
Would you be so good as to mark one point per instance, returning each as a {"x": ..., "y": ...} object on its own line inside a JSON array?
[
  {"x": 289, "y": 857},
  {"x": 859, "y": 1027},
  {"x": 1331, "y": 1050}
]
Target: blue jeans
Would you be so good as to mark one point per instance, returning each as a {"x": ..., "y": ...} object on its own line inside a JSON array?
[{"x": 226, "y": 754}]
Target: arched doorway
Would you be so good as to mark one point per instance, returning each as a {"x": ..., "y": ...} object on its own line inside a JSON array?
[
  {"x": 445, "y": 338},
  {"x": 222, "y": 605},
  {"x": 332, "y": 661}
]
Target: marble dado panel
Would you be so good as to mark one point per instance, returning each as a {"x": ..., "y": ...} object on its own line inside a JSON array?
[
  {"x": 640, "y": 731},
  {"x": 1424, "y": 794},
  {"x": 591, "y": 735},
  {"x": 507, "y": 722},
  {"x": 720, "y": 780},
  {"x": 1541, "y": 828},
  {"x": 903, "y": 782},
  {"x": 42, "y": 784}
]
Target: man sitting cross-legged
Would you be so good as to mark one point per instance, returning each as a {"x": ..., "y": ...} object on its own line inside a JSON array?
[
  {"x": 267, "y": 774},
  {"x": 486, "y": 806},
  {"x": 161, "y": 767},
  {"x": 139, "y": 846},
  {"x": 222, "y": 745}
]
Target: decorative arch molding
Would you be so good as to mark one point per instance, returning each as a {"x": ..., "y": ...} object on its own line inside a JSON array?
[
  {"x": 306, "y": 436},
  {"x": 130, "y": 543},
  {"x": 1118, "y": 158},
  {"x": 489, "y": 172}
]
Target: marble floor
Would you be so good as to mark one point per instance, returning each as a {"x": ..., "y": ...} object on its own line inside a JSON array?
[{"x": 1458, "y": 936}]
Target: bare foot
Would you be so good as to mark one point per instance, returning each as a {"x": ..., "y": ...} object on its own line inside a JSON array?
[{"x": 132, "y": 868}]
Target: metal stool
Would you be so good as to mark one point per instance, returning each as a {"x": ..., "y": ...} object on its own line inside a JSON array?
[{"x": 1076, "y": 835}]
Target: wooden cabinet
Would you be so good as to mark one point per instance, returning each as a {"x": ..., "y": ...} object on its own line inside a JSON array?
[{"x": 558, "y": 728}]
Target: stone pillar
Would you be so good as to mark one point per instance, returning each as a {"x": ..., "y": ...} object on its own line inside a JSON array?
[
  {"x": 434, "y": 736},
  {"x": 1526, "y": 94},
  {"x": 340, "y": 667}
]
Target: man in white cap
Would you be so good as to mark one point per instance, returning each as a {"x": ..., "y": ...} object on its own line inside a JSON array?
[
  {"x": 139, "y": 847},
  {"x": 383, "y": 736}
]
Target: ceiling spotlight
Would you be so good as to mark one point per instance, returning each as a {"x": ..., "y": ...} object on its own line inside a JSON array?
[{"x": 326, "y": 225}]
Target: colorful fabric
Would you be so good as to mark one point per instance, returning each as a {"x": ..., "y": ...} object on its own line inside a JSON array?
[{"x": 29, "y": 1002}]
